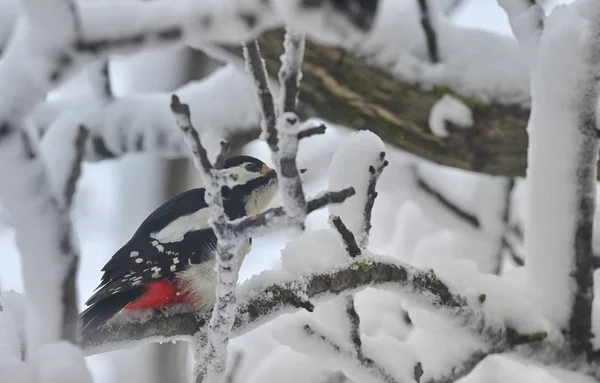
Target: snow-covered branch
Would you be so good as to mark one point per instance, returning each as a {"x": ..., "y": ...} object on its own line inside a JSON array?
[
  {"x": 526, "y": 19},
  {"x": 212, "y": 363},
  {"x": 144, "y": 123},
  {"x": 259, "y": 303},
  {"x": 280, "y": 122},
  {"x": 563, "y": 154}
]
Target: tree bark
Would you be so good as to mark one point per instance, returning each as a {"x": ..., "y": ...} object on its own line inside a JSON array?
[{"x": 342, "y": 89}]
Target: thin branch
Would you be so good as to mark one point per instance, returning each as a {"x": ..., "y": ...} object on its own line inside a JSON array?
[
  {"x": 375, "y": 171},
  {"x": 347, "y": 237},
  {"x": 290, "y": 72},
  {"x": 430, "y": 34},
  {"x": 467, "y": 217},
  {"x": 80, "y": 140},
  {"x": 463, "y": 369},
  {"x": 275, "y": 218},
  {"x": 517, "y": 259},
  {"x": 99, "y": 76},
  {"x": 256, "y": 66},
  {"x": 505, "y": 218},
  {"x": 308, "y": 132},
  {"x": 367, "y": 364},
  {"x": 236, "y": 366},
  {"x": 354, "y": 321}
]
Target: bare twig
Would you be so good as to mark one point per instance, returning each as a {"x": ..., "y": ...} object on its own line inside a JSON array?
[
  {"x": 276, "y": 218},
  {"x": 305, "y": 133},
  {"x": 510, "y": 184},
  {"x": 354, "y": 320},
  {"x": 375, "y": 171},
  {"x": 369, "y": 365},
  {"x": 347, "y": 237},
  {"x": 80, "y": 140},
  {"x": 256, "y": 66},
  {"x": 461, "y": 214},
  {"x": 99, "y": 77},
  {"x": 236, "y": 365},
  {"x": 430, "y": 34}
]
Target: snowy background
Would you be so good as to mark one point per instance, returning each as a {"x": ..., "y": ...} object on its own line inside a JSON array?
[{"x": 114, "y": 196}]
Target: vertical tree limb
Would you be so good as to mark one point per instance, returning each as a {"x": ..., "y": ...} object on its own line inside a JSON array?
[
  {"x": 213, "y": 364},
  {"x": 430, "y": 34}
]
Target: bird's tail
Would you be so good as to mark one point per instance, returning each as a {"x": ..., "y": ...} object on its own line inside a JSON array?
[{"x": 103, "y": 310}]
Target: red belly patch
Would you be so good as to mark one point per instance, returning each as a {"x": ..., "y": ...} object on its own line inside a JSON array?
[{"x": 159, "y": 294}]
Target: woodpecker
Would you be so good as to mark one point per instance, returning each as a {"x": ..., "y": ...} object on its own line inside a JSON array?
[{"x": 171, "y": 257}]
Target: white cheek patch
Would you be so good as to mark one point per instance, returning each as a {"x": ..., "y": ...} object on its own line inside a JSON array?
[
  {"x": 175, "y": 230},
  {"x": 240, "y": 175}
]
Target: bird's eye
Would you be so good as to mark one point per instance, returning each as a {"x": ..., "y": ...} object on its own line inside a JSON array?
[{"x": 252, "y": 168}]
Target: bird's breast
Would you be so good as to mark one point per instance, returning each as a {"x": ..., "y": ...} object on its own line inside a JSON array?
[{"x": 199, "y": 281}]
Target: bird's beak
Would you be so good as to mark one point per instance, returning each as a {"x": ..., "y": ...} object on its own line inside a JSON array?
[{"x": 268, "y": 172}]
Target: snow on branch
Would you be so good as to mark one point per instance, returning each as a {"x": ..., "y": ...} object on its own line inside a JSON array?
[
  {"x": 38, "y": 199},
  {"x": 261, "y": 301},
  {"x": 213, "y": 363},
  {"x": 526, "y": 19},
  {"x": 144, "y": 123},
  {"x": 563, "y": 152},
  {"x": 281, "y": 125}
]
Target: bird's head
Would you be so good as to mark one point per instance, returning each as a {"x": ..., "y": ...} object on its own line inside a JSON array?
[{"x": 255, "y": 183}]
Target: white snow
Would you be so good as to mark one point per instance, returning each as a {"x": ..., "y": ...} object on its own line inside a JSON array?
[
  {"x": 350, "y": 167},
  {"x": 449, "y": 109},
  {"x": 475, "y": 63},
  {"x": 62, "y": 362},
  {"x": 314, "y": 251},
  {"x": 552, "y": 175}
]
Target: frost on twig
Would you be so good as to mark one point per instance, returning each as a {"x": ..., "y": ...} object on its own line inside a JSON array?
[
  {"x": 290, "y": 73},
  {"x": 281, "y": 125},
  {"x": 213, "y": 363}
]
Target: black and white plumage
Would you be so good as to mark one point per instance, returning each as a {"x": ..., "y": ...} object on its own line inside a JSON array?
[{"x": 171, "y": 257}]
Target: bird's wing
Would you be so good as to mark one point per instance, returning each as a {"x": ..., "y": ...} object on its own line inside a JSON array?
[{"x": 143, "y": 260}]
